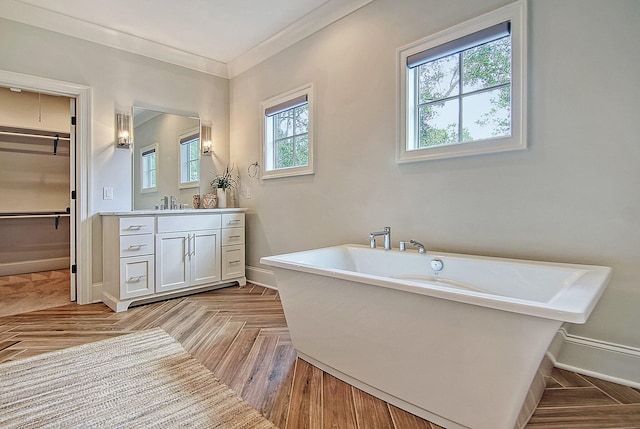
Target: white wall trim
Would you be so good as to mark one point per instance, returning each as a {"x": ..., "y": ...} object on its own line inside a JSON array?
[
  {"x": 96, "y": 292},
  {"x": 22, "y": 267},
  {"x": 328, "y": 13},
  {"x": 600, "y": 359},
  {"x": 82, "y": 94},
  {"x": 315, "y": 21},
  {"x": 70, "y": 26},
  {"x": 261, "y": 277}
]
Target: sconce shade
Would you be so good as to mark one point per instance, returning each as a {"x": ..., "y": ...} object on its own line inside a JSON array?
[
  {"x": 205, "y": 136},
  {"x": 123, "y": 130}
]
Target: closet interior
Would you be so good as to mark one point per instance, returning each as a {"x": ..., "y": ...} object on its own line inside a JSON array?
[{"x": 36, "y": 212}]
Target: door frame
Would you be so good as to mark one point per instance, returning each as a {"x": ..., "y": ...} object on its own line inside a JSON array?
[{"x": 82, "y": 94}]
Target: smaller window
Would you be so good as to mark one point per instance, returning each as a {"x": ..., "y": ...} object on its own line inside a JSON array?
[
  {"x": 288, "y": 134},
  {"x": 149, "y": 168},
  {"x": 189, "y": 159}
]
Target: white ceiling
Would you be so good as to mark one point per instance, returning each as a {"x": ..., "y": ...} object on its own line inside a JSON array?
[{"x": 220, "y": 37}]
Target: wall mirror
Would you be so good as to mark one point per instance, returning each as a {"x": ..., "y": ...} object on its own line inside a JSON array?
[{"x": 166, "y": 157}]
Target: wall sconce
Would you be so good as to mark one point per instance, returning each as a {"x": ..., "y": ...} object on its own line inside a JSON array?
[
  {"x": 123, "y": 131},
  {"x": 205, "y": 137}
]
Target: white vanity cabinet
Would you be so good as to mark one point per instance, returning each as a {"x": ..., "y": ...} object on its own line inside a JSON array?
[
  {"x": 187, "y": 251},
  {"x": 148, "y": 255}
]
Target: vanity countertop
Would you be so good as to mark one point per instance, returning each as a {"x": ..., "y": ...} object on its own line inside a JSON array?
[{"x": 172, "y": 212}]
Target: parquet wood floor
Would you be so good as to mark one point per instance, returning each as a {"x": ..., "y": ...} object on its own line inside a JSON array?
[
  {"x": 241, "y": 335},
  {"x": 21, "y": 293}
]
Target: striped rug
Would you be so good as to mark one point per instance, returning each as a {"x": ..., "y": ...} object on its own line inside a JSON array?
[{"x": 144, "y": 380}]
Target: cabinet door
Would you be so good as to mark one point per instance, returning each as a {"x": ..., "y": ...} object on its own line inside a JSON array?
[
  {"x": 205, "y": 257},
  {"x": 172, "y": 261},
  {"x": 232, "y": 262},
  {"x": 136, "y": 276}
]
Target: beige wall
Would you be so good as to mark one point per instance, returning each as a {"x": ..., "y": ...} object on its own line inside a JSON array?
[
  {"x": 572, "y": 196},
  {"x": 118, "y": 81}
]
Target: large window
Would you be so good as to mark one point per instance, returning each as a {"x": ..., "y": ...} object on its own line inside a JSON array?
[
  {"x": 189, "y": 159},
  {"x": 288, "y": 134},
  {"x": 462, "y": 90},
  {"x": 149, "y": 168}
]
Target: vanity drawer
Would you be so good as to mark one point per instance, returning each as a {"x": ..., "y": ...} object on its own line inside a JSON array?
[
  {"x": 232, "y": 236},
  {"x": 232, "y": 220},
  {"x": 136, "y": 225},
  {"x": 137, "y": 276},
  {"x": 233, "y": 262},
  {"x": 188, "y": 223},
  {"x": 134, "y": 245}
]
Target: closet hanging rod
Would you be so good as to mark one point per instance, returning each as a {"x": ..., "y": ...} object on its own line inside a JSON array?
[
  {"x": 56, "y": 215},
  {"x": 31, "y": 216},
  {"x": 11, "y": 139},
  {"x": 33, "y": 152},
  {"x": 27, "y": 213},
  {"x": 28, "y": 132}
]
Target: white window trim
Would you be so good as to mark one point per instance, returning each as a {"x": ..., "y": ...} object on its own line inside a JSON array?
[
  {"x": 194, "y": 184},
  {"x": 143, "y": 150},
  {"x": 274, "y": 101},
  {"x": 516, "y": 13}
]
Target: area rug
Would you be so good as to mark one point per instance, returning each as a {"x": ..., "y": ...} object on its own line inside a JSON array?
[{"x": 145, "y": 380}]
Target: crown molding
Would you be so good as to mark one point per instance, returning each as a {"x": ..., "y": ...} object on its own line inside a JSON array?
[
  {"x": 70, "y": 26},
  {"x": 314, "y": 21}
]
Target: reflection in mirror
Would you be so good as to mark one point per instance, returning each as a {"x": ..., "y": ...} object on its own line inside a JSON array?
[{"x": 166, "y": 158}]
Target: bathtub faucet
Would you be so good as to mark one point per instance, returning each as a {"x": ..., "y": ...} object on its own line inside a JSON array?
[
  {"x": 420, "y": 246},
  {"x": 387, "y": 238}
]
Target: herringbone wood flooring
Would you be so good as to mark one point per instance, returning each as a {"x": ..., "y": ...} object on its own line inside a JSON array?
[{"x": 241, "y": 335}]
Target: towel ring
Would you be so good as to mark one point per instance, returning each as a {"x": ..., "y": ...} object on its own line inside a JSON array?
[{"x": 253, "y": 172}]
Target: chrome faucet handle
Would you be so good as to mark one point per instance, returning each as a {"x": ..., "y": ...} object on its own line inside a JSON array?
[
  {"x": 420, "y": 246},
  {"x": 403, "y": 246}
]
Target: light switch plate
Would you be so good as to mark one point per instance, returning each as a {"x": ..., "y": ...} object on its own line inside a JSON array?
[{"x": 107, "y": 193}]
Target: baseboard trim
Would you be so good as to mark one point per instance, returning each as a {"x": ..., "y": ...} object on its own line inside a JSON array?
[
  {"x": 96, "y": 292},
  {"x": 261, "y": 277},
  {"x": 600, "y": 359},
  {"x": 23, "y": 267}
]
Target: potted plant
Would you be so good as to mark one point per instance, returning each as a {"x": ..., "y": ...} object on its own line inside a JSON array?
[{"x": 224, "y": 182}]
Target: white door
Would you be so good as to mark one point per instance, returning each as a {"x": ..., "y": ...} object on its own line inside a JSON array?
[
  {"x": 173, "y": 268},
  {"x": 205, "y": 257}
]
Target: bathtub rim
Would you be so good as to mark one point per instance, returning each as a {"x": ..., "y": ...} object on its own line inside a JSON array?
[{"x": 573, "y": 303}]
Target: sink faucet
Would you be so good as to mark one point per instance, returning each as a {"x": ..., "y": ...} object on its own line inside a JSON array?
[
  {"x": 387, "y": 238},
  {"x": 174, "y": 203},
  {"x": 420, "y": 246}
]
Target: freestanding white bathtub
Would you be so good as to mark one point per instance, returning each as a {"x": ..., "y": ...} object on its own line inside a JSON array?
[{"x": 461, "y": 347}]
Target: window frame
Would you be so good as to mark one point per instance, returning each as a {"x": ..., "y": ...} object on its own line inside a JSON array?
[
  {"x": 147, "y": 149},
  {"x": 268, "y": 172},
  {"x": 183, "y": 138},
  {"x": 515, "y": 13}
]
